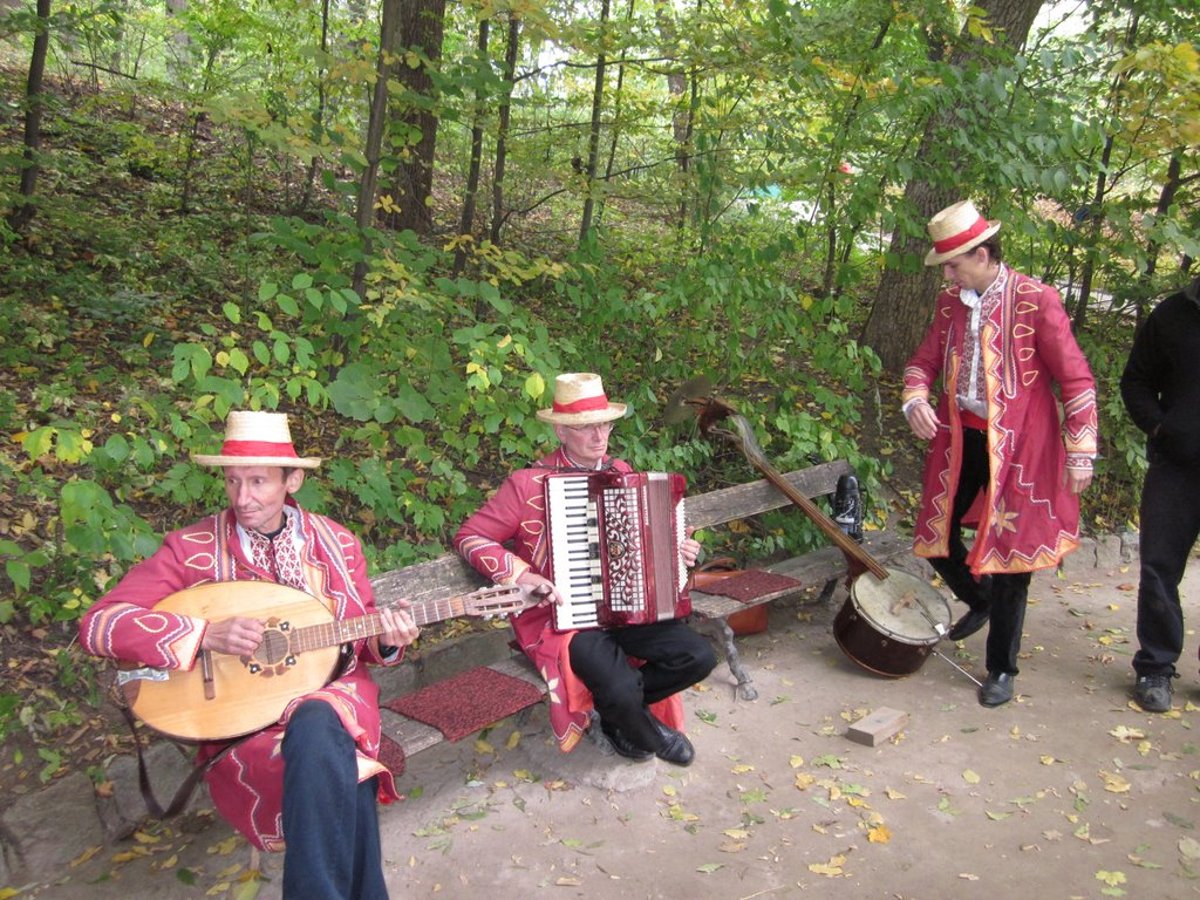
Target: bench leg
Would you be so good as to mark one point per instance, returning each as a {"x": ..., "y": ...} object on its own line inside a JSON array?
[{"x": 745, "y": 689}]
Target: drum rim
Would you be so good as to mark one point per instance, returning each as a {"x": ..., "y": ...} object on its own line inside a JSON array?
[{"x": 884, "y": 629}]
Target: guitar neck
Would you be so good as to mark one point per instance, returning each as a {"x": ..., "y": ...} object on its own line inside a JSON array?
[{"x": 341, "y": 631}]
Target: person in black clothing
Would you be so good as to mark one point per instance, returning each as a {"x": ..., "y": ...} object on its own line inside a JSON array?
[{"x": 1161, "y": 390}]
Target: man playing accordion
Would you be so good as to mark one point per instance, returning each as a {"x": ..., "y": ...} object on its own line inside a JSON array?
[{"x": 631, "y": 675}]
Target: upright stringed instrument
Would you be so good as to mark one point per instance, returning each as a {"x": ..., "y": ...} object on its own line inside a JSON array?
[
  {"x": 719, "y": 418},
  {"x": 227, "y": 696}
]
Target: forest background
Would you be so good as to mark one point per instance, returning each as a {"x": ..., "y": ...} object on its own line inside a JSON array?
[{"x": 398, "y": 221}]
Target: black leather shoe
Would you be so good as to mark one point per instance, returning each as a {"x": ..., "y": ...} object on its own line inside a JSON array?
[
  {"x": 624, "y": 746},
  {"x": 676, "y": 747},
  {"x": 968, "y": 624},
  {"x": 997, "y": 689}
]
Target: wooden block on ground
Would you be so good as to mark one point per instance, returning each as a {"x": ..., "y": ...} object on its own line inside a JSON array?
[{"x": 877, "y": 727}]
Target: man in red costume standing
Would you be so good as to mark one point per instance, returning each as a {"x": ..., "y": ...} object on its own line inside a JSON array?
[
  {"x": 1001, "y": 453},
  {"x": 638, "y": 705},
  {"x": 313, "y": 777}
]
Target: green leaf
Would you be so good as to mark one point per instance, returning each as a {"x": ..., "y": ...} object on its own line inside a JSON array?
[
  {"x": 19, "y": 572},
  {"x": 233, "y": 312},
  {"x": 267, "y": 290},
  {"x": 413, "y": 405}
]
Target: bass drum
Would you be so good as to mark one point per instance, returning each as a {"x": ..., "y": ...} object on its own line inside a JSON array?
[{"x": 890, "y": 626}]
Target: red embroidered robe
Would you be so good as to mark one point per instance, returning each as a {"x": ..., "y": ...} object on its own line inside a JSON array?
[
  {"x": 1028, "y": 518},
  {"x": 247, "y": 783},
  {"x": 516, "y": 516}
]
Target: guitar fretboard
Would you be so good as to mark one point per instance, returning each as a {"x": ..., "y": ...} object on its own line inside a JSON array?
[{"x": 328, "y": 634}]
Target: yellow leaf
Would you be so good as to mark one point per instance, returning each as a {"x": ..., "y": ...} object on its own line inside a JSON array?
[
  {"x": 1047, "y": 760},
  {"x": 879, "y": 834},
  {"x": 796, "y": 762},
  {"x": 1114, "y": 783},
  {"x": 142, "y": 838},
  {"x": 504, "y": 341},
  {"x": 738, "y": 834},
  {"x": 513, "y": 740},
  {"x": 831, "y": 869},
  {"x": 669, "y": 790},
  {"x": 85, "y": 856},
  {"x": 218, "y": 889},
  {"x": 1112, "y": 879},
  {"x": 804, "y": 781},
  {"x": 893, "y": 794},
  {"x": 225, "y": 847},
  {"x": 482, "y": 746},
  {"x": 741, "y": 769},
  {"x": 970, "y": 777}
]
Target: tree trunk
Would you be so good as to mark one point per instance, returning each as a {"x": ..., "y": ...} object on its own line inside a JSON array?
[
  {"x": 1103, "y": 187},
  {"x": 180, "y": 52},
  {"x": 677, "y": 87},
  {"x": 389, "y": 29},
  {"x": 466, "y": 222},
  {"x": 510, "y": 72},
  {"x": 589, "y": 203},
  {"x": 615, "y": 137},
  {"x": 23, "y": 209},
  {"x": 310, "y": 177},
  {"x": 422, "y": 26},
  {"x": 906, "y": 293},
  {"x": 1166, "y": 199}
]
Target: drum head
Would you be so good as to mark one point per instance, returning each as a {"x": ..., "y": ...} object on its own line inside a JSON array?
[{"x": 902, "y": 606}]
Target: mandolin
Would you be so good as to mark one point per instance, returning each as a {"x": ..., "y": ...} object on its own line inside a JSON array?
[{"x": 226, "y": 696}]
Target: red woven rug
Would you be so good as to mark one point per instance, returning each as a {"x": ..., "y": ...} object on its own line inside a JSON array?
[
  {"x": 748, "y": 586},
  {"x": 467, "y": 703}
]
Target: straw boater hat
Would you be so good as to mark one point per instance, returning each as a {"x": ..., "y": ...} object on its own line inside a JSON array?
[
  {"x": 957, "y": 229},
  {"x": 579, "y": 399},
  {"x": 257, "y": 439}
]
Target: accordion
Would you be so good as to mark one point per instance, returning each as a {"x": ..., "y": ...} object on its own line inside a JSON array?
[{"x": 614, "y": 548}]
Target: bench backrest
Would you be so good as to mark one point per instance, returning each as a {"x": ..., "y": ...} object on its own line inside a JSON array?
[{"x": 448, "y": 575}]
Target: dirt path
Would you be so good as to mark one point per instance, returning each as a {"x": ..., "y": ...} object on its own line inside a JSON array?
[{"x": 1070, "y": 791}]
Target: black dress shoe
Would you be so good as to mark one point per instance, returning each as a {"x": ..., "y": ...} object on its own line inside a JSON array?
[
  {"x": 624, "y": 746},
  {"x": 676, "y": 747},
  {"x": 997, "y": 689},
  {"x": 968, "y": 624}
]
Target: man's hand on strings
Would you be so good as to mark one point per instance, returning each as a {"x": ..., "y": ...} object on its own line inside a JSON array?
[
  {"x": 399, "y": 629},
  {"x": 237, "y": 636}
]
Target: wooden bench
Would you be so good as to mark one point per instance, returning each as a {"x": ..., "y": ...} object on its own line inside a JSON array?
[{"x": 448, "y": 576}]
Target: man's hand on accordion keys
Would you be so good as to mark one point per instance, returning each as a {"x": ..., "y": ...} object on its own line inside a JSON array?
[
  {"x": 540, "y": 586},
  {"x": 689, "y": 549}
]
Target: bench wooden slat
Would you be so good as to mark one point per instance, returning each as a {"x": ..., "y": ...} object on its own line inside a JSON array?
[
  {"x": 742, "y": 500},
  {"x": 449, "y": 575}
]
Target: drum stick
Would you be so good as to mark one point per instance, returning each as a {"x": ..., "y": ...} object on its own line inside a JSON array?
[{"x": 960, "y": 668}]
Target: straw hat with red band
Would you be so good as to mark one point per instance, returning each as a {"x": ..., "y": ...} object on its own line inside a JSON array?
[
  {"x": 257, "y": 439},
  {"x": 957, "y": 229},
  {"x": 579, "y": 399}
]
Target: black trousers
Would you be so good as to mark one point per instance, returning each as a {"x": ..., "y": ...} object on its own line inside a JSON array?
[
  {"x": 676, "y": 657},
  {"x": 1007, "y": 595},
  {"x": 1170, "y": 513}
]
